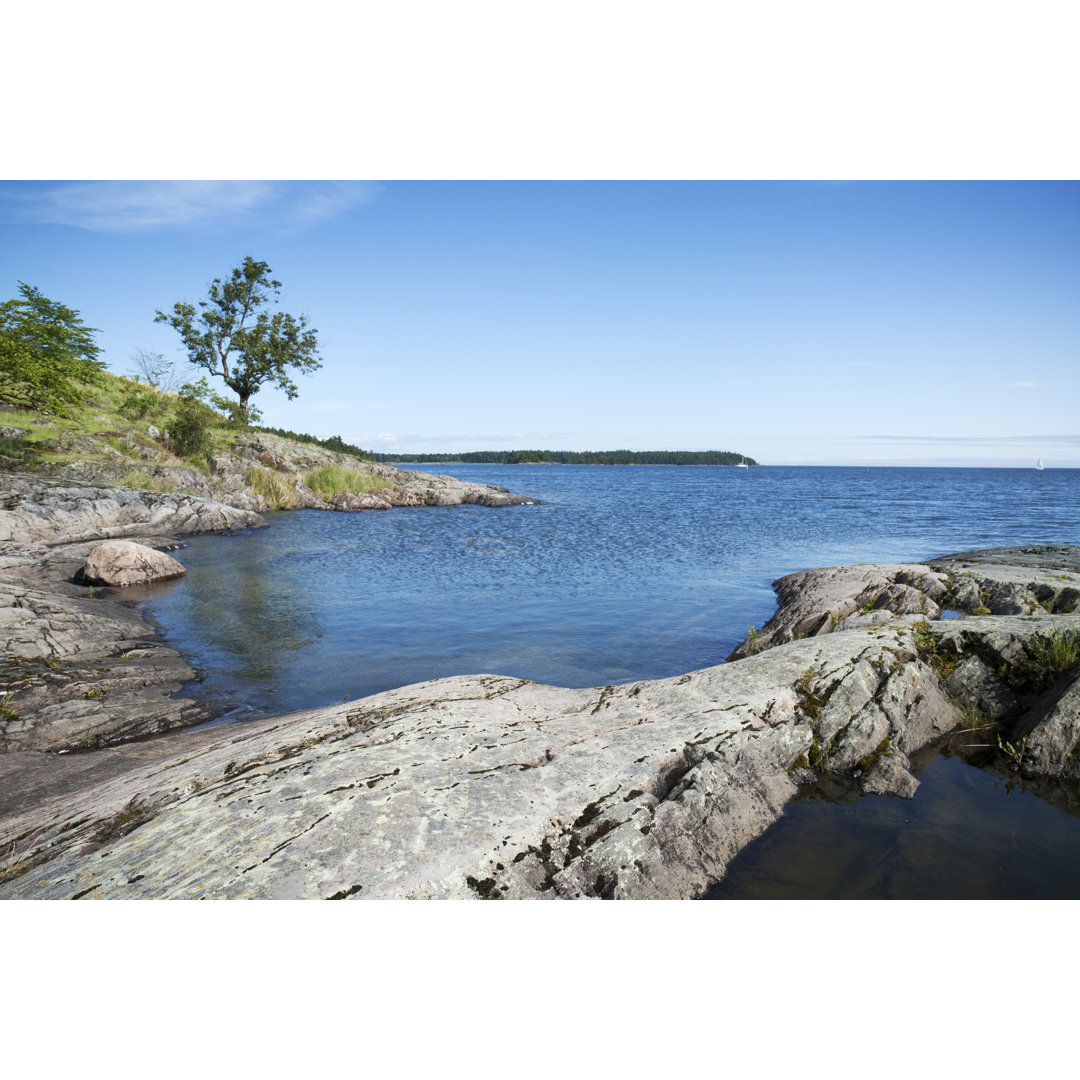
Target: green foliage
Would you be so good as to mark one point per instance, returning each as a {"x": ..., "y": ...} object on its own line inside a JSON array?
[
  {"x": 191, "y": 424},
  {"x": 337, "y": 480},
  {"x": 335, "y": 443},
  {"x": 1015, "y": 754},
  {"x": 810, "y": 701},
  {"x": 232, "y": 336},
  {"x": 579, "y": 457},
  {"x": 970, "y": 717},
  {"x": 144, "y": 480},
  {"x": 277, "y": 488},
  {"x": 941, "y": 658},
  {"x": 1049, "y": 657},
  {"x": 528, "y": 457},
  {"x": 143, "y": 403},
  {"x": 46, "y": 352}
]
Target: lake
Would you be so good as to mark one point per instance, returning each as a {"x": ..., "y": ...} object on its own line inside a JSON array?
[{"x": 618, "y": 573}]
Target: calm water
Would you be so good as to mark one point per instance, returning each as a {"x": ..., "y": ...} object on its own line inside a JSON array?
[{"x": 619, "y": 573}]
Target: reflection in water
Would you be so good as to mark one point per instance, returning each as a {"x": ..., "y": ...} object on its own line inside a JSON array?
[
  {"x": 252, "y": 616},
  {"x": 620, "y": 573},
  {"x": 973, "y": 831}
]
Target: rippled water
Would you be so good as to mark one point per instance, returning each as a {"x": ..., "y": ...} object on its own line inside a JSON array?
[
  {"x": 624, "y": 573},
  {"x": 620, "y": 573}
]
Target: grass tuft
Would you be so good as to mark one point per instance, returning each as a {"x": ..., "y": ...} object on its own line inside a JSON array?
[
  {"x": 277, "y": 488},
  {"x": 333, "y": 480}
]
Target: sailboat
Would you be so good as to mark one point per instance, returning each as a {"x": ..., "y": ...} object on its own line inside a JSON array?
[
  {"x": 1039, "y": 464},
  {"x": 742, "y": 464}
]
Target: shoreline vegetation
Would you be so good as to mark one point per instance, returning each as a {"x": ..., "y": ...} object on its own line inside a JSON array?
[{"x": 573, "y": 457}]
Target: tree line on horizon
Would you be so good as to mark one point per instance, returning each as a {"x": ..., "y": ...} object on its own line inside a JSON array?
[
  {"x": 577, "y": 457},
  {"x": 46, "y": 351}
]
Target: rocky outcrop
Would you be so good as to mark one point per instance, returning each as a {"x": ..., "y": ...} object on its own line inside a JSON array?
[
  {"x": 998, "y": 581},
  {"x": 490, "y": 787},
  {"x": 35, "y": 510},
  {"x": 258, "y": 462},
  {"x": 123, "y": 562},
  {"x": 80, "y": 668},
  {"x": 57, "y": 693}
]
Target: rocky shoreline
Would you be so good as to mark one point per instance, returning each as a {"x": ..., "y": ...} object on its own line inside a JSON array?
[{"x": 490, "y": 787}]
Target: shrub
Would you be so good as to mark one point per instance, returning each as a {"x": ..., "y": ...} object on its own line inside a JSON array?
[{"x": 191, "y": 424}]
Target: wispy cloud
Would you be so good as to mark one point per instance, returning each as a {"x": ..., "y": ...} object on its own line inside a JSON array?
[
  {"x": 971, "y": 440},
  {"x": 318, "y": 202},
  {"x": 846, "y": 364},
  {"x": 505, "y": 440},
  {"x": 140, "y": 205},
  {"x": 1019, "y": 385}
]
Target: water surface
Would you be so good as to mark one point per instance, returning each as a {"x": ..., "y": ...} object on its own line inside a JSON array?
[
  {"x": 620, "y": 572},
  {"x": 623, "y": 573}
]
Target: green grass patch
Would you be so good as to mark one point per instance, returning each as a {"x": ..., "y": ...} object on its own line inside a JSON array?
[
  {"x": 278, "y": 489},
  {"x": 1049, "y": 657},
  {"x": 144, "y": 480},
  {"x": 333, "y": 480}
]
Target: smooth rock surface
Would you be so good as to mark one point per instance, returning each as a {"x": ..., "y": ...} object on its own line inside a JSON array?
[
  {"x": 489, "y": 787},
  {"x": 124, "y": 562}
]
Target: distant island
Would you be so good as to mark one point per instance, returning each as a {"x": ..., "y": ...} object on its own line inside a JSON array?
[{"x": 577, "y": 457}]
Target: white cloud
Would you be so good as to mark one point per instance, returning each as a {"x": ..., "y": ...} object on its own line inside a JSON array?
[
  {"x": 1019, "y": 385},
  {"x": 129, "y": 205}
]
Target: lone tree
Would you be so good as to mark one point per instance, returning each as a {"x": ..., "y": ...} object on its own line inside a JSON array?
[
  {"x": 231, "y": 335},
  {"x": 157, "y": 371},
  {"x": 45, "y": 353}
]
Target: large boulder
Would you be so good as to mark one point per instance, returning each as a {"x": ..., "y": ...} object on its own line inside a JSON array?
[{"x": 123, "y": 562}]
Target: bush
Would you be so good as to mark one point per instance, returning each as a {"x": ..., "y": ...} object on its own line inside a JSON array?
[
  {"x": 190, "y": 427},
  {"x": 139, "y": 402}
]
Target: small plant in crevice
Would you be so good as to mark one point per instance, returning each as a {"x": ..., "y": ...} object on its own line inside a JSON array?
[
  {"x": 1015, "y": 754},
  {"x": 752, "y": 639},
  {"x": 1049, "y": 657},
  {"x": 883, "y": 749},
  {"x": 810, "y": 702},
  {"x": 127, "y": 819},
  {"x": 942, "y": 659},
  {"x": 6, "y": 711},
  {"x": 970, "y": 717}
]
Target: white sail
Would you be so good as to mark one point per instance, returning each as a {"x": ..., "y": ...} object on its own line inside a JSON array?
[{"x": 1039, "y": 464}]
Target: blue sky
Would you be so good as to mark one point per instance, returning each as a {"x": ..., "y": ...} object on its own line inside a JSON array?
[{"x": 924, "y": 323}]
